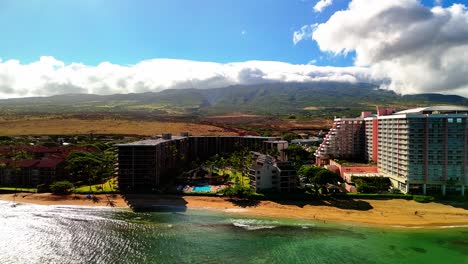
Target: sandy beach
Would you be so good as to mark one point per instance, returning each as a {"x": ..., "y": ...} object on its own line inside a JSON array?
[
  {"x": 394, "y": 212},
  {"x": 75, "y": 200}
]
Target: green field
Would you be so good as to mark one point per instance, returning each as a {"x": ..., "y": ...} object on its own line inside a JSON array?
[
  {"x": 110, "y": 186},
  {"x": 14, "y": 189}
]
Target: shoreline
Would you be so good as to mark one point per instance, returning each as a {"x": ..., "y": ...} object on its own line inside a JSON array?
[{"x": 394, "y": 213}]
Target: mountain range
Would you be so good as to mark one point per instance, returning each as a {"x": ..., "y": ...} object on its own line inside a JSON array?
[{"x": 309, "y": 99}]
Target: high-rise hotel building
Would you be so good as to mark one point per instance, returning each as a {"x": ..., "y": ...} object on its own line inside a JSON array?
[{"x": 422, "y": 150}]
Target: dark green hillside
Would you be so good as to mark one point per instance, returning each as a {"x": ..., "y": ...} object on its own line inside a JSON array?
[{"x": 305, "y": 99}]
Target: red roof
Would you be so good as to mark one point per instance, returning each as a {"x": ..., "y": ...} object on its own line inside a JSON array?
[
  {"x": 24, "y": 163},
  {"x": 5, "y": 161},
  {"x": 51, "y": 158},
  {"x": 42, "y": 149},
  {"x": 49, "y": 163}
]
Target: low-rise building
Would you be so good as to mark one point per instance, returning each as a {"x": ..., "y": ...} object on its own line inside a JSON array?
[{"x": 32, "y": 165}]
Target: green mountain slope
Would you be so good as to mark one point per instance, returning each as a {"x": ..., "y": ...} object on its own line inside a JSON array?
[{"x": 310, "y": 99}]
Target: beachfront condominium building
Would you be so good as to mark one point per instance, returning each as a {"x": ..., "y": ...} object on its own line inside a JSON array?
[
  {"x": 147, "y": 164},
  {"x": 269, "y": 174},
  {"x": 422, "y": 150},
  {"x": 345, "y": 140},
  {"x": 151, "y": 164}
]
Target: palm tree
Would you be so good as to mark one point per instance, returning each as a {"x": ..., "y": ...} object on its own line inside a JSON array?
[{"x": 240, "y": 162}]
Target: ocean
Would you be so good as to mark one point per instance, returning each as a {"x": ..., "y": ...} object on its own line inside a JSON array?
[{"x": 67, "y": 234}]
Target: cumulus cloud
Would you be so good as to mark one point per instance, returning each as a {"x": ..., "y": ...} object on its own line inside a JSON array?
[
  {"x": 304, "y": 33},
  {"x": 419, "y": 49},
  {"x": 49, "y": 76},
  {"x": 320, "y": 5}
]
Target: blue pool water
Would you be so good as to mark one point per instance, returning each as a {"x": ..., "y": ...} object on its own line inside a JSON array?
[{"x": 205, "y": 188}]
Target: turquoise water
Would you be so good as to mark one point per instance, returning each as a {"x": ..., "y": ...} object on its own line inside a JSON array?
[
  {"x": 59, "y": 234},
  {"x": 202, "y": 189}
]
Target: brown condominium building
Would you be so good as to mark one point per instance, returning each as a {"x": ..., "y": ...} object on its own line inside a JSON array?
[
  {"x": 422, "y": 150},
  {"x": 149, "y": 164}
]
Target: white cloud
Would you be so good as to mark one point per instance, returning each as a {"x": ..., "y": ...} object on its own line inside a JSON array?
[
  {"x": 321, "y": 4},
  {"x": 419, "y": 49},
  {"x": 304, "y": 33},
  {"x": 49, "y": 76}
]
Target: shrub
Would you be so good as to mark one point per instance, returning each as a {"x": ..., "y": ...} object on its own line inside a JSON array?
[
  {"x": 42, "y": 188},
  {"x": 423, "y": 198},
  {"x": 371, "y": 184},
  {"x": 61, "y": 187},
  {"x": 290, "y": 136}
]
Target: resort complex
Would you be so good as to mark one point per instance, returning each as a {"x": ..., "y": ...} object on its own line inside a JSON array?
[
  {"x": 148, "y": 164},
  {"x": 422, "y": 150}
]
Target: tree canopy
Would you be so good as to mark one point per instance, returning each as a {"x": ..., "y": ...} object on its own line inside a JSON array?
[
  {"x": 318, "y": 177},
  {"x": 90, "y": 166}
]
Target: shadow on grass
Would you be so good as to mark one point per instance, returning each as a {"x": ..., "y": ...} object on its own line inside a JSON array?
[{"x": 244, "y": 202}]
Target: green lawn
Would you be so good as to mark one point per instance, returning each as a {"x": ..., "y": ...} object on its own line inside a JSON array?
[
  {"x": 109, "y": 186},
  {"x": 18, "y": 189}
]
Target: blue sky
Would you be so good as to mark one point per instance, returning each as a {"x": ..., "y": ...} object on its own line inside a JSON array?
[
  {"x": 128, "y": 31},
  {"x": 119, "y": 46}
]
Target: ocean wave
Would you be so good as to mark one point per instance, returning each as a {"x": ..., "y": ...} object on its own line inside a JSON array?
[
  {"x": 254, "y": 224},
  {"x": 253, "y": 227},
  {"x": 235, "y": 210}
]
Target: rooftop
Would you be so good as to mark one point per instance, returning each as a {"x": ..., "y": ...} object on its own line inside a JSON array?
[
  {"x": 306, "y": 140},
  {"x": 277, "y": 141},
  {"x": 154, "y": 142},
  {"x": 443, "y": 109},
  {"x": 150, "y": 142}
]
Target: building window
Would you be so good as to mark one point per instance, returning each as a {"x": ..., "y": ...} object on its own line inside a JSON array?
[
  {"x": 258, "y": 178},
  {"x": 258, "y": 172},
  {"x": 450, "y": 120},
  {"x": 459, "y": 120}
]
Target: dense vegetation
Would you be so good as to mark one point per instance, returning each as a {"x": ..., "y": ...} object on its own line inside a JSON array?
[
  {"x": 315, "y": 178},
  {"x": 61, "y": 187},
  {"x": 371, "y": 184}
]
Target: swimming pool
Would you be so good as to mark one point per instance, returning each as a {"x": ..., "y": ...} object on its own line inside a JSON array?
[{"x": 205, "y": 188}]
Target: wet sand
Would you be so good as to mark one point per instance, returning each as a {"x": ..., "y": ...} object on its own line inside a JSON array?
[{"x": 394, "y": 212}]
